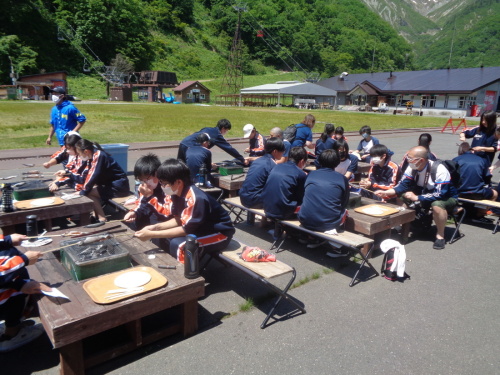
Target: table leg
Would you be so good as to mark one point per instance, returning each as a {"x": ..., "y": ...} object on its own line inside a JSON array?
[
  {"x": 189, "y": 317},
  {"x": 48, "y": 224},
  {"x": 405, "y": 232},
  {"x": 71, "y": 359},
  {"x": 85, "y": 218}
]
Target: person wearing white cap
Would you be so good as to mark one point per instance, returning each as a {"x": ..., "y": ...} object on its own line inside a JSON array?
[
  {"x": 256, "y": 141},
  {"x": 64, "y": 116}
]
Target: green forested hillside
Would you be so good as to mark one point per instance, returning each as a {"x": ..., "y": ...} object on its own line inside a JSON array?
[
  {"x": 193, "y": 37},
  {"x": 314, "y": 38},
  {"x": 471, "y": 35}
]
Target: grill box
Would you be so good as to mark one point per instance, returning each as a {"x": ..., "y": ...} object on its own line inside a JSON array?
[
  {"x": 226, "y": 171},
  {"x": 83, "y": 266},
  {"x": 31, "y": 189}
]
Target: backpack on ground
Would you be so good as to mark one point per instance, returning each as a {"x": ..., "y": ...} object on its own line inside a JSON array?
[
  {"x": 290, "y": 132},
  {"x": 393, "y": 264},
  {"x": 452, "y": 166}
]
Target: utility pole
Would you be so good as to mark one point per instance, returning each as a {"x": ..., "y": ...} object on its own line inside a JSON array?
[{"x": 233, "y": 77}]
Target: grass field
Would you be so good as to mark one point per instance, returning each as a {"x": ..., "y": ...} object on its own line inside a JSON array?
[{"x": 26, "y": 124}]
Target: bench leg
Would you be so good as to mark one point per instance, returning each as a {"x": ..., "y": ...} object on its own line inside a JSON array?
[
  {"x": 456, "y": 234},
  {"x": 365, "y": 261},
  {"x": 496, "y": 226},
  {"x": 279, "y": 233},
  {"x": 282, "y": 294}
]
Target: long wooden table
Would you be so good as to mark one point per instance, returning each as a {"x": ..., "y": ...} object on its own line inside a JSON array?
[
  {"x": 76, "y": 326},
  {"x": 371, "y": 225},
  {"x": 82, "y": 206}
]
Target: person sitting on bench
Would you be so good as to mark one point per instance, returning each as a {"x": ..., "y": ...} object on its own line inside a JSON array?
[
  {"x": 384, "y": 174},
  {"x": 284, "y": 189},
  {"x": 256, "y": 141},
  {"x": 325, "y": 142},
  {"x": 473, "y": 175},
  {"x": 194, "y": 212},
  {"x": 435, "y": 193},
  {"x": 153, "y": 206},
  {"x": 326, "y": 196},
  {"x": 348, "y": 162},
  {"x": 15, "y": 288},
  {"x": 253, "y": 186}
]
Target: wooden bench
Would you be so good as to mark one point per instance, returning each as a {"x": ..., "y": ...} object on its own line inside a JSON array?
[
  {"x": 356, "y": 243},
  {"x": 352, "y": 241},
  {"x": 485, "y": 204},
  {"x": 118, "y": 203},
  {"x": 263, "y": 272}
]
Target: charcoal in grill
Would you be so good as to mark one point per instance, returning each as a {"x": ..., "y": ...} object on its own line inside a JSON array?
[{"x": 81, "y": 253}]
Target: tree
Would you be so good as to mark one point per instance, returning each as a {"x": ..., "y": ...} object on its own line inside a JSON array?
[{"x": 23, "y": 58}]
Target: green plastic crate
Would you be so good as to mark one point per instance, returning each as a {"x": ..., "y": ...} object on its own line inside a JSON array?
[
  {"x": 83, "y": 269},
  {"x": 226, "y": 171},
  {"x": 31, "y": 190}
]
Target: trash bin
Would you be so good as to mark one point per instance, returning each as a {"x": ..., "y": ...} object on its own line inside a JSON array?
[
  {"x": 474, "y": 110},
  {"x": 119, "y": 152}
]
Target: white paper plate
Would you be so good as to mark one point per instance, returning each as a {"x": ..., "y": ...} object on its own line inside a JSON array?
[
  {"x": 42, "y": 202},
  {"x": 38, "y": 242},
  {"x": 373, "y": 211},
  {"x": 132, "y": 279}
]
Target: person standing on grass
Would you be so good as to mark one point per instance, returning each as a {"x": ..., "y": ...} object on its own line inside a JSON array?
[
  {"x": 216, "y": 135},
  {"x": 65, "y": 117}
]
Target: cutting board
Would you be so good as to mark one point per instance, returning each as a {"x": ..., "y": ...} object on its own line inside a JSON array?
[
  {"x": 376, "y": 210},
  {"x": 98, "y": 287},
  {"x": 32, "y": 203}
]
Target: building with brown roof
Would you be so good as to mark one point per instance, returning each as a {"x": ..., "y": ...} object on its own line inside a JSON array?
[{"x": 191, "y": 92}]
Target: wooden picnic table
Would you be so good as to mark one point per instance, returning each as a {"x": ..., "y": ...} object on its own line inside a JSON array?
[
  {"x": 82, "y": 206},
  {"x": 106, "y": 331},
  {"x": 372, "y": 225}
]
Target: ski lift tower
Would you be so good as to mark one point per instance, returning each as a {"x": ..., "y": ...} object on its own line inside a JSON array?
[{"x": 232, "y": 82}]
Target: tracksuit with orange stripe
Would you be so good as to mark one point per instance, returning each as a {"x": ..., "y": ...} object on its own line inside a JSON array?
[
  {"x": 203, "y": 216},
  {"x": 13, "y": 276}
]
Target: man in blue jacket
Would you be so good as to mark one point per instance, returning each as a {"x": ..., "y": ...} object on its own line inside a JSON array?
[
  {"x": 65, "y": 117},
  {"x": 418, "y": 185},
  {"x": 216, "y": 135}
]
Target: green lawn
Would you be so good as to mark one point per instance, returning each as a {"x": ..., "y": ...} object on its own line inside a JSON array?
[{"x": 25, "y": 124}]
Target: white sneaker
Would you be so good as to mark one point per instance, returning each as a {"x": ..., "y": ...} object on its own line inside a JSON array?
[
  {"x": 315, "y": 245},
  {"x": 26, "y": 335}
]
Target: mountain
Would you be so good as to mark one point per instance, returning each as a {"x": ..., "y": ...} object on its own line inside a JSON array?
[{"x": 446, "y": 33}]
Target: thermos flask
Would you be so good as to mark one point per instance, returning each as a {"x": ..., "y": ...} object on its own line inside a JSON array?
[
  {"x": 31, "y": 227},
  {"x": 191, "y": 257}
]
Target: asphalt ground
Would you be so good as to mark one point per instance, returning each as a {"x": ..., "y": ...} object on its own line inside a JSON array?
[{"x": 443, "y": 320}]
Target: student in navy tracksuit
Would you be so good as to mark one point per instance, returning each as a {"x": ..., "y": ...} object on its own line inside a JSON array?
[
  {"x": 152, "y": 206},
  {"x": 418, "y": 185},
  {"x": 256, "y": 141},
  {"x": 284, "y": 189},
  {"x": 256, "y": 178},
  {"x": 473, "y": 172},
  {"x": 100, "y": 177},
  {"x": 325, "y": 142},
  {"x": 384, "y": 174},
  {"x": 199, "y": 155},
  {"x": 194, "y": 212},
  {"x": 68, "y": 157},
  {"x": 326, "y": 196},
  {"x": 366, "y": 143},
  {"x": 15, "y": 286},
  {"x": 216, "y": 135},
  {"x": 484, "y": 142},
  {"x": 348, "y": 162}
]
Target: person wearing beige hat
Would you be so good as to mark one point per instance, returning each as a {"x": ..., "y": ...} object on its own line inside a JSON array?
[{"x": 256, "y": 141}]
